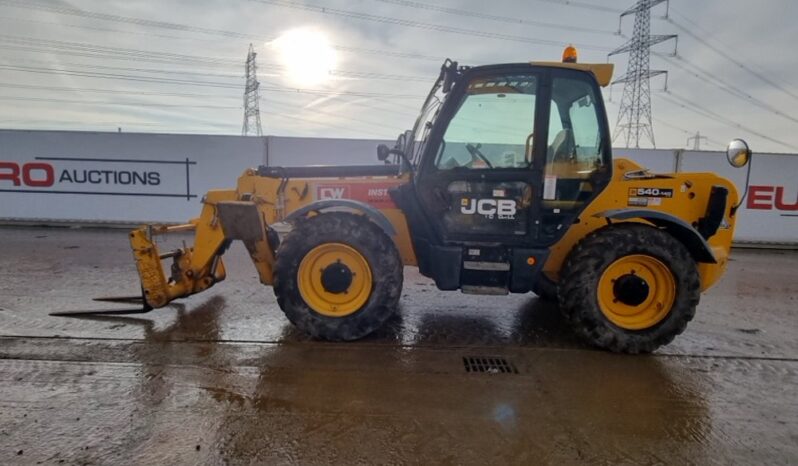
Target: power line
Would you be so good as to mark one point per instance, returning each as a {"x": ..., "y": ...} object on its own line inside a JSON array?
[
  {"x": 215, "y": 107},
  {"x": 98, "y": 29},
  {"x": 418, "y": 24},
  {"x": 387, "y": 53},
  {"x": 157, "y": 71},
  {"x": 97, "y": 55},
  {"x": 188, "y": 28},
  {"x": 714, "y": 116},
  {"x": 584, "y": 5},
  {"x": 100, "y": 102},
  {"x": 195, "y": 29},
  {"x": 685, "y": 131},
  {"x": 730, "y": 58},
  {"x": 125, "y": 19},
  {"x": 337, "y": 115},
  {"x": 204, "y": 96},
  {"x": 91, "y": 123},
  {"x": 712, "y": 79},
  {"x": 111, "y": 91},
  {"x": 491, "y": 17},
  {"x": 293, "y": 104},
  {"x": 114, "y": 52},
  {"x": 188, "y": 59},
  {"x": 93, "y": 48},
  {"x": 268, "y": 66},
  {"x": 319, "y": 9},
  {"x": 187, "y": 82}
]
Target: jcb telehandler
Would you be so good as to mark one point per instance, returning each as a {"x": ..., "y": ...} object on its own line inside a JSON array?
[{"x": 506, "y": 183}]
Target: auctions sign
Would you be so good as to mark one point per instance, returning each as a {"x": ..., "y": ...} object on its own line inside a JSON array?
[{"x": 98, "y": 177}]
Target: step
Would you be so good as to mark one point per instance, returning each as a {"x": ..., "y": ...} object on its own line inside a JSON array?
[
  {"x": 490, "y": 266},
  {"x": 490, "y": 290}
]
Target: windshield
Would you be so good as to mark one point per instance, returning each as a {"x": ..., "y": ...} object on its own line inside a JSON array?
[
  {"x": 420, "y": 133},
  {"x": 493, "y": 125}
]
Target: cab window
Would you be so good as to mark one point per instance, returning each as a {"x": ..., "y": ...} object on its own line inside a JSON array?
[
  {"x": 493, "y": 125},
  {"x": 575, "y": 151}
]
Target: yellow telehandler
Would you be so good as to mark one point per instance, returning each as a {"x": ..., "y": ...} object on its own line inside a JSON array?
[{"x": 505, "y": 184}]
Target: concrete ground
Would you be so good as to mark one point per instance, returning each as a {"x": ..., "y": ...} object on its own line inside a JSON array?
[{"x": 224, "y": 378}]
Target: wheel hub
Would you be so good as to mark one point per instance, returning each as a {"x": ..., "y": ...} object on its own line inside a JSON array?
[
  {"x": 336, "y": 278},
  {"x": 636, "y": 292},
  {"x": 630, "y": 289}
]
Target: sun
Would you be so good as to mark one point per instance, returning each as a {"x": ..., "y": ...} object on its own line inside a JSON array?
[{"x": 306, "y": 55}]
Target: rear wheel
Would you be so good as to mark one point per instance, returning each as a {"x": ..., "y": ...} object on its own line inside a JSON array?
[
  {"x": 338, "y": 276},
  {"x": 629, "y": 288}
]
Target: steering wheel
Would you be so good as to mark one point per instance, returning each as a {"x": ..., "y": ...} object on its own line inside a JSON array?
[{"x": 476, "y": 154}]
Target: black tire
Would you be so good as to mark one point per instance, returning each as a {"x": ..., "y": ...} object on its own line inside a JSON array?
[
  {"x": 371, "y": 242},
  {"x": 579, "y": 282},
  {"x": 545, "y": 289}
]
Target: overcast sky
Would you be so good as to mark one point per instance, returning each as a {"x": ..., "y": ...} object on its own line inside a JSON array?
[{"x": 177, "y": 66}]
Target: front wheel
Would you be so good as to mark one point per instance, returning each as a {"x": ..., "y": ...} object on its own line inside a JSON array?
[
  {"x": 338, "y": 276},
  {"x": 629, "y": 288}
]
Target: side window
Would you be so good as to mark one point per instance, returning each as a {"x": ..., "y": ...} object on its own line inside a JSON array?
[
  {"x": 574, "y": 130},
  {"x": 575, "y": 149},
  {"x": 586, "y": 130},
  {"x": 555, "y": 124},
  {"x": 493, "y": 127}
]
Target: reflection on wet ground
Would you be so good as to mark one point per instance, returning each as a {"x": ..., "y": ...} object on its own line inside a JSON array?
[{"x": 223, "y": 378}]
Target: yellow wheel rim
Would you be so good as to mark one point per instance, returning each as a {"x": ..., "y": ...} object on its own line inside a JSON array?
[
  {"x": 636, "y": 292},
  {"x": 334, "y": 279}
]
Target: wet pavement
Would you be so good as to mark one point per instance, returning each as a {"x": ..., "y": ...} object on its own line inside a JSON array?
[{"x": 224, "y": 378}]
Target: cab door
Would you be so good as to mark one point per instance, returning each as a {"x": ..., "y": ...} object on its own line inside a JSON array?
[
  {"x": 479, "y": 172},
  {"x": 577, "y": 159},
  {"x": 516, "y": 154}
]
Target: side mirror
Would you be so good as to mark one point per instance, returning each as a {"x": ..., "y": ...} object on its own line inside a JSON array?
[
  {"x": 738, "y": 153},
  {"x": 383, "y": 152}
]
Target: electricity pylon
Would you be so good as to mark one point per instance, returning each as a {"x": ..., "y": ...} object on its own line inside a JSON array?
[{"x": 634, "y": 117}]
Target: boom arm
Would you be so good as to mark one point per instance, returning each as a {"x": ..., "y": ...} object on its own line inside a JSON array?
[{"x": 196, "y": 268}]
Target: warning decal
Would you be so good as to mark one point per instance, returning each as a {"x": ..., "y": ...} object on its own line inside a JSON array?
[{"x": 375, "y": 194}]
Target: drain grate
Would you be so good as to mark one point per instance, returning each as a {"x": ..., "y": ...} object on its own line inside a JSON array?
[{"x": 490, "y": 365}]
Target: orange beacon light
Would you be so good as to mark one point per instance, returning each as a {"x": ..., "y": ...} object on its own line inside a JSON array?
[{"x": 569, "y": 54}]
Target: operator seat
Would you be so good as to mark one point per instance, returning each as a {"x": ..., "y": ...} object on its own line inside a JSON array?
[
  {"x": 562, "y": 148},
  {"x": 561, "y": 153}
]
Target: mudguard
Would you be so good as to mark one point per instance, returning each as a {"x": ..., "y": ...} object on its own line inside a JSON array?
[
  {"x": 369, "y": 211},
  {"x": 681, "y": 230}
]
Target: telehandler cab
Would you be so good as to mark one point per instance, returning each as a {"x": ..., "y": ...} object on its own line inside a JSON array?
[{"x": 505, "y": 184}]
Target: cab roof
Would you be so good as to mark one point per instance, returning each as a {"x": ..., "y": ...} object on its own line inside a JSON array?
[{"x": 602, "y": 71}]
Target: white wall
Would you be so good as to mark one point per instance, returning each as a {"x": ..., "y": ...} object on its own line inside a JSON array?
[
  {"x": 217, "y": 161},
  {"x": 116, "y": 177},
  {"x": 294, "y": 152}
]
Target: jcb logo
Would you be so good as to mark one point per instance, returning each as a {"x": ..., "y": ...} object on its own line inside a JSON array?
[
  {"x": 34, "y": 174},
  {"x": 504, "y": 208}
]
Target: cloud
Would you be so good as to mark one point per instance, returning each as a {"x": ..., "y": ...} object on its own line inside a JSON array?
[{"x": 369, "y": 47}]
